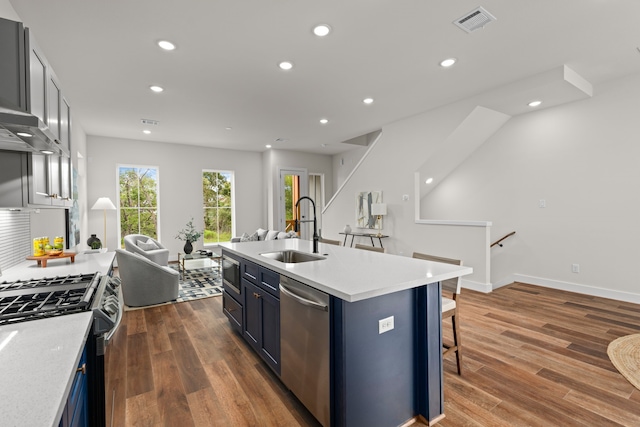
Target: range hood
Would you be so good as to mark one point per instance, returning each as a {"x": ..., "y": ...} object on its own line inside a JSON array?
[{"x": 16, "y": 125}]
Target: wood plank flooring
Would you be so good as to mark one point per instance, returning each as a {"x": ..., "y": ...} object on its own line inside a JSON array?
[{"x": 532, "y": 356}]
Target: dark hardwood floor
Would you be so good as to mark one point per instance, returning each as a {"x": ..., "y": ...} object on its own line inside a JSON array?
[{"x": 532, "y": 356}]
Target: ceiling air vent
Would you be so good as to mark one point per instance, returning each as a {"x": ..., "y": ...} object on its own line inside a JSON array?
[
  {"x": 474, "y": 20},
  {"x": 149, "y": 122}
]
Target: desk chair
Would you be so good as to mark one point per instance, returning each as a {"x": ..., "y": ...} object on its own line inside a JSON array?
[
  {"x": 369, "y": 248},
  {"x": 449, "y": 306}
]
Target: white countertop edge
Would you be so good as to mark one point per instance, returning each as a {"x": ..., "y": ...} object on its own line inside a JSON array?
[{"x": 251, "y": 250}]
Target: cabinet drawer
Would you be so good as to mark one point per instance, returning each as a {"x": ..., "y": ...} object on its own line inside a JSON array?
[
  {"x": 233, "y": 310},
  {"x": 269, "y": 281},
  {"x": 249, "y": 271}
]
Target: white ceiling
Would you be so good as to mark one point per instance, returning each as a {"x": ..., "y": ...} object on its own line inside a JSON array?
[{"x": 224, "y": 72}]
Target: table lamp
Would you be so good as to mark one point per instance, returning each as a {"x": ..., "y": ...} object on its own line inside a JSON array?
[
  {"x": 104, "y": 203},
  {"x": 379, "y": 209}
]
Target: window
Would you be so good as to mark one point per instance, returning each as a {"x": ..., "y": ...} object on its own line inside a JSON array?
[
  {"x": 138, "y": 199},
  {"x": 217, "y": 199}
]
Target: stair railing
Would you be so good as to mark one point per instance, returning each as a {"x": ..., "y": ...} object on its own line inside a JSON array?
[{"x": 499, "y": 241}]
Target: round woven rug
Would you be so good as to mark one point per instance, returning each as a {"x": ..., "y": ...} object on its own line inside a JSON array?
[{"x": 624, "y": 353}]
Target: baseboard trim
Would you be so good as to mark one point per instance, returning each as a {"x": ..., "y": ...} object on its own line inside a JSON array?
[
  {"x": 477, "y": 286},
  {"x": 569, "y": 286}
]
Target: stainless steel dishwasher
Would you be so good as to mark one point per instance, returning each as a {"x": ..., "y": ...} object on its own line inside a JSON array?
[{"x": 304, "y": 345}]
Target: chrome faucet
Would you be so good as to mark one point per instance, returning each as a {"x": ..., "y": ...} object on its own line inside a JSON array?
[{"x": 315, "y": 223}]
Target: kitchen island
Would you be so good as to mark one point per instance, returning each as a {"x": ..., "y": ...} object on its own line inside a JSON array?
[
  {"x": 38, "y": 359},
  {"x": 377, "y": 377}
]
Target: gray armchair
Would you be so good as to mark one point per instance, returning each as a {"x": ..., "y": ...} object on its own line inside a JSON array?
[
  {"x": 159, "y": 256},
  {"x": 144, "y": 282}
]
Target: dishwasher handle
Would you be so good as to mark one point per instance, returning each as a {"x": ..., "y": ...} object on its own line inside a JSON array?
[{"x": 304, "y": 301}]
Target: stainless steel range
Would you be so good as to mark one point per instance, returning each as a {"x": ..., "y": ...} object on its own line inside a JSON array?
[{"x": 28, "y": 300}]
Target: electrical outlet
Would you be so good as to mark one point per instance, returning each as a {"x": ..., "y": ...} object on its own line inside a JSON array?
[
  {"x": 542, "y": 203},
  {"x": 405, "y": 197},
  {"x": 385, "y": 325},
  {"x": 575, "y": 268}
]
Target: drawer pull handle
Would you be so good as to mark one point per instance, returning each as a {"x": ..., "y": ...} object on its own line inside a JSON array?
[
  {"x": 82, "y": 369},
  {"x": 256, "y": 295}
]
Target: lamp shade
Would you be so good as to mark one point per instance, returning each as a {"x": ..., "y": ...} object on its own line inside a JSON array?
[
  {"x": 104, "y": 203},
  {"x": 378, "y": 209}
]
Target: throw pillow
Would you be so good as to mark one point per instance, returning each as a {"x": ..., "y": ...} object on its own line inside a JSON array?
[
  {"x": 292, "y": 235},
  {"x": 282, "y": 235},
  {"x": 254, "y": 237},
  {"x": 271, "y": 235},
  {"x": 244, "y": 237},
  {"x": 149, "y": 245},
  {"x": 262, "y": 233}
]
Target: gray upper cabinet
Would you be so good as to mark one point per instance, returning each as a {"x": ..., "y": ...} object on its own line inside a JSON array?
[
  {"x": 28, "y": 84},
  {"x": 49, "y": 180},
  {"x": 13, "y": 180},
  {"x": 38, "y": 75},
  {"x": 12, "y": 66}
]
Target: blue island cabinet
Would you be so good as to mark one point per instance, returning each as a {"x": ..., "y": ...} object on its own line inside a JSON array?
[
  {"x": 386, "y": 379},
  {"x": 261, "y": 305},
  {"x": 76, "y": 411}
]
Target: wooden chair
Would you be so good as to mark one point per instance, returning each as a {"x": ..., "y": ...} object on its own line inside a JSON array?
[
  {"x": 449, "y": 306},
  {"x": 369, "y": 248},
  {"x": 330, "y": 242}
]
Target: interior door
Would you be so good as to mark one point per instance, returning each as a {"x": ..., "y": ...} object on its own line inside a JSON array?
[{"x": 293, "y": 185}]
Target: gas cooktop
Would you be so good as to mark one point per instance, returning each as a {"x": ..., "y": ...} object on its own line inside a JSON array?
[{"x": 36, "y": 299}]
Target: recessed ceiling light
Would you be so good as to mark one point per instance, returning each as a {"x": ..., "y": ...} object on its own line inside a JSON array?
[
  {"x": 228, "y": 128},
  {"x": 46, "y": 151},
  {"x": 268, "y": 145},
  {"x": 25, "y": 134},
  {"x": 324, "y": 121},
  {"x": 321, "y": 30},
  {"x": 146, "y": 131},
  {"x": 285, "y": 65},
  {"x": 429, "y": 181},
  {"x": 368, "y": 101},
  {"x": 166, "y": 45},
  {"x": 534, "y": 103},
  {"x": 448, "y": 62},
  {"x": 156, "y": 89}
]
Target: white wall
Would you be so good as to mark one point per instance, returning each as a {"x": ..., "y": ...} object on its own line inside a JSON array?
[
  {"x": 580, "y": 157},
  {"x": 7, "y": 11},
  {"x": 180, "y": 176}
]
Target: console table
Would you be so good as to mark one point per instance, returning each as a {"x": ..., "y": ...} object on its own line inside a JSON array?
[{"x": 370, "y": 235}]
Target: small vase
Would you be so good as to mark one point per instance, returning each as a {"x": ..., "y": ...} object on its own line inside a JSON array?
[
  {"x": 94, "y": 242},
  {"x": 347, "y": 229},
  {"x": 188, "y": 248}
]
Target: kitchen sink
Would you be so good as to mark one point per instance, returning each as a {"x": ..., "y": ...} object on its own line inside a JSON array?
[{"x": 291, "y": 256}]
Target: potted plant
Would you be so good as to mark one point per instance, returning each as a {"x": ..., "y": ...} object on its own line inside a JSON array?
[{"x": 189, "y": 234}]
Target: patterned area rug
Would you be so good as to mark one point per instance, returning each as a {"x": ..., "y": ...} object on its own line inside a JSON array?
[{"x": 197, "y": 283}]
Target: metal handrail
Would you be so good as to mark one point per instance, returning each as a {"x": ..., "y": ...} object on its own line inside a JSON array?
[{"x": 497, "y": 242}]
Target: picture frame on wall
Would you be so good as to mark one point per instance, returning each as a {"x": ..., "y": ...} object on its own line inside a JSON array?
[{"x": 364, "y": 200}]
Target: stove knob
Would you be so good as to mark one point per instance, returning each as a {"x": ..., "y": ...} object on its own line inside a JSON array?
[{"x": 111, "y": 308}]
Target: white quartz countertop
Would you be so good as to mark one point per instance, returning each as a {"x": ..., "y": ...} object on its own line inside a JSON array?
[
  {"x": 38, "y": 361},
  {"x": 84, "y": 264},
  {"x": 348, "y": 273}
]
